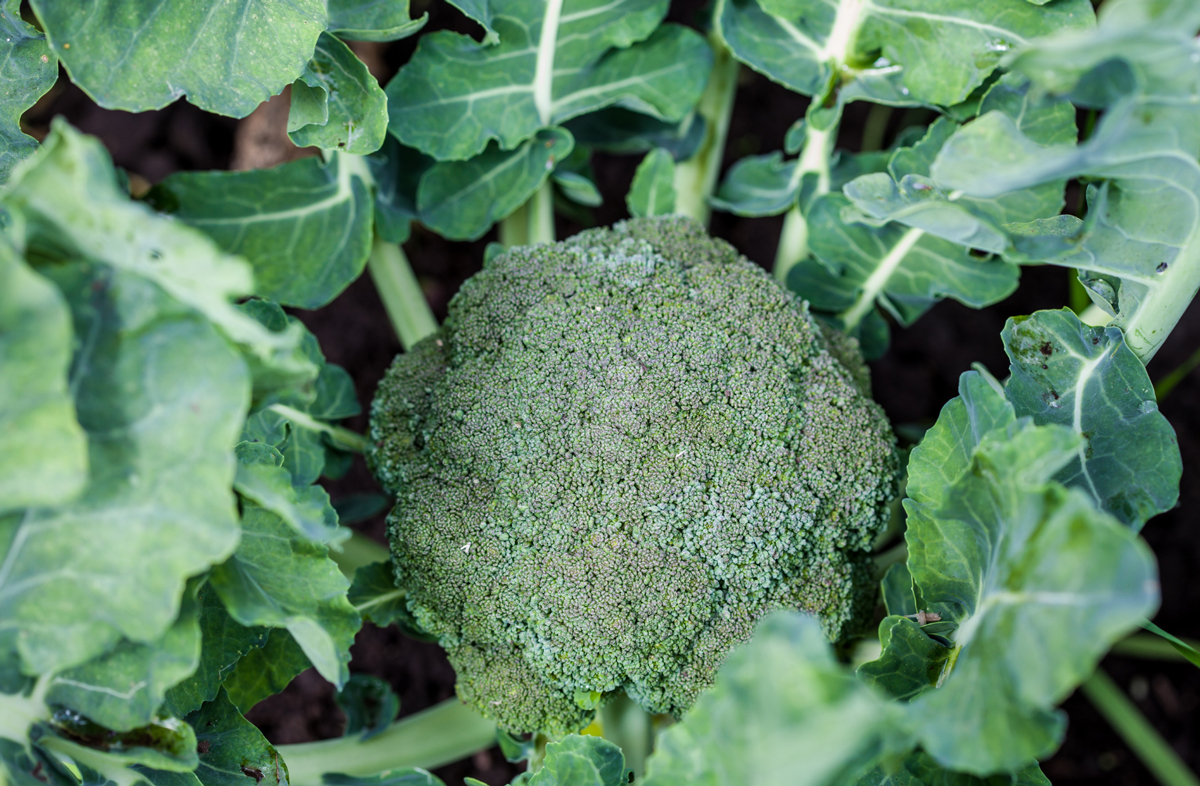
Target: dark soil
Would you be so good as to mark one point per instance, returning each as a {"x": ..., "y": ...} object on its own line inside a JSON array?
[{"x": 917, "y": 376}]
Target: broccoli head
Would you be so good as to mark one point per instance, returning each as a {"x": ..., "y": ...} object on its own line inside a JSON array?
[{"x": 618, "y": 453}]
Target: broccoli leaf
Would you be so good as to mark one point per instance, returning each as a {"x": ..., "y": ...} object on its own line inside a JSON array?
[
  {"x": 462, "y": 199},
  {"x": 759, "y": 186},
  {"x": 161, "y": 395},
  {"x": 937, "y": 56},
  {"x": 1137, "y": 249},
  {"x": 615, "y": 129},
  {"x": 555, "y": 60},
  {"x": 124, "y": 688},
  {"x": 279, "y": 580},
  {"x": 911, "y": 662},
  {"x": 370, "y": 20},
  {"x": 1087, "y": 378},
  {"x": 1024, "y": 568},
  {"x": 43, "y": 450},
  {"x": 223, "y": 643},
  {"x": 370, "y": 705},
  {"x": 265, "y": 671},
  {"x": 780, "y": 699},
  {"x": 920, "y": 769},
  {"x": 231, "y": 748},
  {"x": 304, "y": 226},
  {"x": 653, "y": 189},
  {"x": 578, "y": 760},
  {"x": 73, "y": 208},
  {"x": 262, "y": 478},
  {"x": 397, "y": 170},
  {"x": 336, "y": 103},
  {"x": 225, "y": 58},
  {"x": 405, "y": 776},
  {"x": 28, "y": 68}
]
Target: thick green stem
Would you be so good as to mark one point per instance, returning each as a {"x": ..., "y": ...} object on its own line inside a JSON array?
[
  {"x": 1141, "y": 737},
  {"x": 814, "y": 159},
  {"x": 342, "y": 438},
  {"x": 630, "y": 727},
  {"x": 356, "y": 551},
  {"x": 18, "y": 713},
  {"x": 401, "y": 293},
  {"x": 439, "y": 735},
  {"x": 696, "y": 178},
  {"x": 875, "y": 127},
  {"x": 532, "y": 222}
]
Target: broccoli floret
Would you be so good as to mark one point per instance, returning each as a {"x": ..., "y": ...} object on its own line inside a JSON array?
[{"x": 618, "y": 453}]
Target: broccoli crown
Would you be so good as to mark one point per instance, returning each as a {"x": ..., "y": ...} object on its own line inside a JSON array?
[{"x": 620, "y": 452}]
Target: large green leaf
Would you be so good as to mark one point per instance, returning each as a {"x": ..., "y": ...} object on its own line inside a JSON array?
[
  {"x": 1037, "y": 581},
  {"x": 911, "y": 662},
  {"x": 232, "y": 749},
  {"x": 934, "y": 52},
  {"x": 28, "y": 68},
  {"x": 305, "y": 226},
  {"x": 1137, "y": 251},
  {"x": 336, "y": 103},
  {"x": 124, "y": 688},
  {"x": 161, "y": 395},
  {"x": 223, "y": 643},
  {"x": 143, "y": 54},
  {"x": 43, "y": 451},
  {"x": 73, "y": 207},
  {"x": 372, "y": 20},
  {"x": 1087, "y": 378},
  {"x": 780, "y": 700},
  {"x": 280, "y": 580},
  {"x": 556, "y": 60},
  {"x": 920, "y": 769},
  {"x": 462, "y": 199}
]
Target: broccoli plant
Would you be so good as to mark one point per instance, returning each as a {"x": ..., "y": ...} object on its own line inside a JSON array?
[{"x": 639, "y": 491}]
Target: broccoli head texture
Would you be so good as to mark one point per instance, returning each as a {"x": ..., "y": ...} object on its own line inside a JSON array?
[{"x": 619, "y": 453}]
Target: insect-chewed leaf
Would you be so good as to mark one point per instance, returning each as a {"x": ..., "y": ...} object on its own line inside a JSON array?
[
  {"x": 305, "y": 226},
  {"x": 370, "y": 20},
  {"x": 336, "y": 103},
  {"x": 225, "y": 58},
  {"x": 28, "y": 68},
  {"x": 653, "y": 190},
  {"x": 1087, "y": 378},
  {"x": 554, "y": 61},
  {"x": 43, "y": 449},
  {"x": 1038, "y": 580},
  {"x": 232, "y": 749},
  {"x": 1137, "y": 256}
]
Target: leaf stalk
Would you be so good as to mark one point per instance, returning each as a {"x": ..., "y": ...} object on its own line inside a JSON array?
[
  {"x": 439, "y": 735},
  {"x": 401, "y": 293}
]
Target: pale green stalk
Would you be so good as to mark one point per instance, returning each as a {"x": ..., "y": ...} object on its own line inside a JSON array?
[
  {"x": 875, "y": 127},
  {"x": 19, "y": 712},
  {"x": 342, "y": 438},
  {"x": 439, "y": 735},
  {"x": 1139, "y": 735},
  {"x": 696, "y": 178},
  {"x": 632, "y": 729},
  {"x": 814, "y": 158},
  {"x": 401, "y": 293}
]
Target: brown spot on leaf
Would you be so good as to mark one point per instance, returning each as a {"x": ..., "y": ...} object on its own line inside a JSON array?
[
  {"x": 252, "y": 772},
  {"x": 40, "y": 773},
  {"x": 203, "y": 747},
  {"x": 1047, "y": 349}
]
